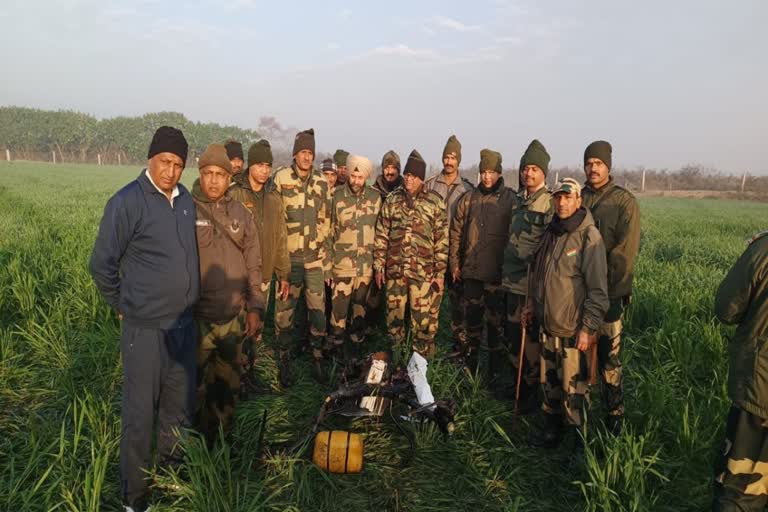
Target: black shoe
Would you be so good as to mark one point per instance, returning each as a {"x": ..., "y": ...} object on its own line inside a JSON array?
[
  {"x": 614, "y": 424},
  {"x": 550, "y": 435}
]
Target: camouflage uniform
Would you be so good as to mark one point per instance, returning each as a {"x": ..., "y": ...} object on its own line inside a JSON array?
[
  {"x": 528, "y": 222},
  {"x": 741, "y": 471},
  {"x": 411, "y": 247},
  {"x": 307, "y": 214},
  {"x": 450, "y": 194},
  {"x": 353, "y": 225},
  {"x": 617, "y": 216}
]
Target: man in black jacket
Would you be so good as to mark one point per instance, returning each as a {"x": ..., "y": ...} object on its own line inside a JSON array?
[{"x": 145, "y": 265}]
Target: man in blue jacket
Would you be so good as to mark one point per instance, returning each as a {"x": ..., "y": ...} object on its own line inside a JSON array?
[{"x": 145, "y": 265}]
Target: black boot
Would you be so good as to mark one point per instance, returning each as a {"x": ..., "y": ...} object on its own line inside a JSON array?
[
  {"x": 529, "y": 400},
  {"x": 284, "y": 370},
  {"x": 550, "y": 434},
  {"x": 319, "y": 367}
]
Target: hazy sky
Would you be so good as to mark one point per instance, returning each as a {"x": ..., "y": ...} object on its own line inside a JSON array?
[{"x": 667, "y": 82}]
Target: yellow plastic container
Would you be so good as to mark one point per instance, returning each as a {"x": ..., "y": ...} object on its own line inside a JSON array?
[{"x": 338, "y": 452}]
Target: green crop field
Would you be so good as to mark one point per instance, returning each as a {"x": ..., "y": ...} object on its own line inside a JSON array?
[{"x": 60, "y": 381}]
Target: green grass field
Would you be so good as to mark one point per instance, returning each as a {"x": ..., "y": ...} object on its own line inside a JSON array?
[{"x": 60, "y": 381}]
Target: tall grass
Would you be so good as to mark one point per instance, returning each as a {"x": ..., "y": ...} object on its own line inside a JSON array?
[{"x": 60, "y": 380}]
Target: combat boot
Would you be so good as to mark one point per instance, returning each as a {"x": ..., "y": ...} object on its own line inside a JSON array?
[
  {"x": 550, "y": 434},
  {"x": 284, "y": 370},
  {"x": 319, "y": 367}
]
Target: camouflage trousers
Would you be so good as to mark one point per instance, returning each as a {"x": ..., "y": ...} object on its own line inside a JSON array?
[
  {"x": 741, "y": 469},
  {"x": 420, "y": 298},
  {"x": 483, "y": 304},
  {"x": 349, "y": 292},
  {"x": 454, "y": 291},
  {"x": 565, "y": 378},
  {"x": 513, "y": 332},
  {"x": 611, "y": 379},
  {"x": 374, "y": 308},
  {"x": 250, "y": 344},
  {"x": 220, "y": 363},
  {"x": 312, "y": 282}
]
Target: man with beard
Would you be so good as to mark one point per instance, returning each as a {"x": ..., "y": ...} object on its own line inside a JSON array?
[
  {"x": 617, "y": 216},
  {"x": 340, "y": 159},
  {"x": 385, "y": 184},
  {"x": 450, "y": 186},
  {"x": 354, "y": 213},
  {"x": 235, "y": 154},
  {"x": 306, "y": 199},
  {"x": 478, "y": 237},
  {"x": 231, "y": 302},
  {"x": 257, "y": 193},
  {"x": 570, "y": 298},
  {"x": 530, "y": 218}
]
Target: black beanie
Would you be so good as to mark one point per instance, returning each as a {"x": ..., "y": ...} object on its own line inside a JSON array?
[
  {"x": 599, "y": 149},
  {"x": 304, "y": 140},
  {"x": 260, "y": 153},
  {"x": 169, "y": 140},
  {"x": 536, "y": 154},
  {"x": 234, "y": 149},
  {"x": 415, "y": 165}
]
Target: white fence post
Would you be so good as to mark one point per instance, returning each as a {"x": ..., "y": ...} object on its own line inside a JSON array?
[
  {"x": 642, "y": 186},
  {"x": 99, "y": 157},
  {"x": 743, "y": 182},
  {"x": 7, "y": 155},
  {"x": 557, "y": 177},
  {"x": 118, "y": 160},
  {"x": 53, "y": 153}
]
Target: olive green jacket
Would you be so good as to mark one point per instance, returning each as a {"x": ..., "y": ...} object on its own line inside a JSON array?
[
  {"x": 742, "y": 299},
  {"x": 617, "y": 216},
  {"x": 268, "y": 213},
  {"x": 529, "y": 219}
]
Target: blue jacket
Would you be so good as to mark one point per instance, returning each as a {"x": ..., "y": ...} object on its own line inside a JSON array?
[{"x": 144, "y": 260}]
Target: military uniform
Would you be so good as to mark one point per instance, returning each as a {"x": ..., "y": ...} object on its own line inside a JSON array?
[
  {"x": 478, "y": 237},
  {"x": 529, "y": 219},
  {"x": 569, "y": 292},
  {"x": 617, "y": 216},
  {"x": 411, "y": 248},
  {"x": 353, "y": 229},
  {"x": 741, "y": 470},
  {"x": 307, "y": 215},
  {"x": 450, "y": 194},
  {"x": 230, "y": 273}
]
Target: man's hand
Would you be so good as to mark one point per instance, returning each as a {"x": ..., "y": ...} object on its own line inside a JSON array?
[
  {"x": 456, "y": 274},
  {"x": 526, "y": 315},
  {"x": 380, "y": 279},
  {"x": 285, "y": 289},
  {"x": 252, "y": 323},
  {"x": 584, "y": 341},
  {"x": 439, "y": 284}
]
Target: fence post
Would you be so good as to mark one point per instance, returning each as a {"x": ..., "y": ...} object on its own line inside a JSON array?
[
  {"x": 743, "y": 182},
  {"x": 7, "y": 155},
  {"x": 642, "y": 187},
  {"x": 53, "y": 153},
  {"x": 557, "y": 177},
  {"x": 118, "y": 159},
  {"x": 99, "y": 157}
]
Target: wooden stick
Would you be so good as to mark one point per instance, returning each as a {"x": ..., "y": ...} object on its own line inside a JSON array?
[{"x": 522, "y": 349}]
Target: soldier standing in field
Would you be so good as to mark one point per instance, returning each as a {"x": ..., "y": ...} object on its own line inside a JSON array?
[
  {"x": 385, "y": 184},
  {"x": 617, "y": 216},
  {"x": 257, "y": 193},
  {"x": 411, "y": 256},
  {"x": 305, "y": 196},
  {"x": 570, "y": 298},
  {"x": 340, "y": 160},
  {"x": 235, "y": 154},
  {"x": 231, "y": 304},
  {"x": 742, "y": 466},
  {"x": 353, "y": 227},
  {"x": 478, "y": 235},
  {"x": 450, "y": 186},
  {"x": 530, "y": 218},
  {"x": 145, "y": 265}
]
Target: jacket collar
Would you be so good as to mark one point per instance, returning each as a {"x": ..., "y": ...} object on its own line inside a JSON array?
[
  {"x": 602, "y": 190},
  {"x": 149, "y": 187}
]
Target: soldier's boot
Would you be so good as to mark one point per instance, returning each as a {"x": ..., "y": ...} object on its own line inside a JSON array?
[
  {"x": 319, "y": 367},
  {"x": 284, "y": 368},
  {"x": 614, "y": 424},
  {"x": 550, "y": 434},
  {"x": 578, "y": 457},
  {"x": 529, "y": 400}
]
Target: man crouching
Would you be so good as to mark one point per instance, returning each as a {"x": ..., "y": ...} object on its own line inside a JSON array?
[
  {"x": 570, "y": 299},
  {"x": 231, "y": 302}
]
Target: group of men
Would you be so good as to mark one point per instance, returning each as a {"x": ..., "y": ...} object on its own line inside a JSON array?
[{"x": 546, "y": 274}]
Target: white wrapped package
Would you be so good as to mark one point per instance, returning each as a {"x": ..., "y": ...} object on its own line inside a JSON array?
[{"x": 417, "y": 372}]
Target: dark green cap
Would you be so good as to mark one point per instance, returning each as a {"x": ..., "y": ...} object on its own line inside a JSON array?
[
  {"x": 453, "y": 146},
  {"x": 490, "y": 159},
  {"x": 415, "y": 165},
  {"x": 537, "y": 155},
  {"x": 340, "y": 158},
  {"x": 260, "y": 153},
  {"x": 599, "y": 149}
]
